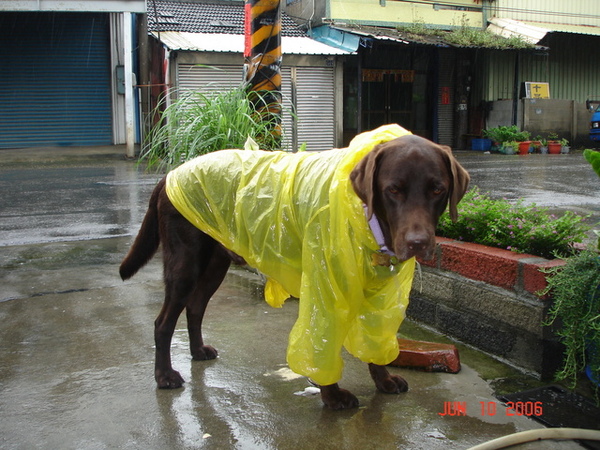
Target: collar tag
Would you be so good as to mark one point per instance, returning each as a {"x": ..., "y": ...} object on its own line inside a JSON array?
[{"x": 383, "y": 259}]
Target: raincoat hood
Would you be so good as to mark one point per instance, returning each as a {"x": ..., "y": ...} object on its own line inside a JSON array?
[{"x": 296, "y": 218}]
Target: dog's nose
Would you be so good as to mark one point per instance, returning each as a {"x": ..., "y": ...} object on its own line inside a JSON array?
[{"x": 417, "y": 243}]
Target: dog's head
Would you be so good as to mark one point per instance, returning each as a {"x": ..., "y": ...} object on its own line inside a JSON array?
[{"x": 407, "y": 183}]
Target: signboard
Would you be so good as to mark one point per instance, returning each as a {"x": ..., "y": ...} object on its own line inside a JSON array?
[{"x": 535, "y": 89}]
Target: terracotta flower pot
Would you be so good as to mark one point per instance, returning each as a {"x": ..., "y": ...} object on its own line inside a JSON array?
[
  {"x": 524, "y": 147},
  {"x": 554, "y": 148}
]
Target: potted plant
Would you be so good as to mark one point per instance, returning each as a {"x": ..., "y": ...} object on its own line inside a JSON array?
[
  {"x": 522, "y": 137},
  {"x": 536, "y": 144},
  {"x": 564, "y": 143},
  {"x": 509, "y": 147},
  {"x": 543, "y": 146},
  {"x": 554, "y": 145},
  {"x": 524, "y": 147},
  {"x": 501, "y": 134}
]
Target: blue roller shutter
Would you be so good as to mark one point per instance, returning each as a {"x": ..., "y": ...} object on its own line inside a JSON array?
[{"x": 54, "y": 79}]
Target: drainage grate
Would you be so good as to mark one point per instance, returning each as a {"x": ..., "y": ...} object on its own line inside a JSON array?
[{"x": 560, "y": 408}]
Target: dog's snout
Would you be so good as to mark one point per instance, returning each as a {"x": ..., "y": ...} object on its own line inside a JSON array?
[
  {"x": 416, "y": 243},
  {"x": 416, "y": 240}
]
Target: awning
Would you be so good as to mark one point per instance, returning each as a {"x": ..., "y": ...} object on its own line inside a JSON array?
[
  {"x": 534, "y": 32},
  {"x": 509, "y": 27},
  {"x": 351, "y": 37},
  {"x": 234, "y": 43}
]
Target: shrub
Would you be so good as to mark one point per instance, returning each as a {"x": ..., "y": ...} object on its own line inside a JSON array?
[
  {"x": 199, "y": 123},
  {"x": 516, "y": 227},
  {"x": 575, "y": 288},
  {"x": 506, "y": 134}
]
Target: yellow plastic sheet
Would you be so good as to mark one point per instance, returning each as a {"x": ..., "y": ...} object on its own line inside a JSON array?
[{"x": 296, "y": 218}]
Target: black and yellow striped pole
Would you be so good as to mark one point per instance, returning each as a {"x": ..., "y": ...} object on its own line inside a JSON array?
[{"x": 263, "y": 58}]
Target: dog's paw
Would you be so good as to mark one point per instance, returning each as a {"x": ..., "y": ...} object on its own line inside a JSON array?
[
  {"x": 335, "y": 398},
  {"x": 385, "y": 382},
  {"x": 170, "y": 379},
  {"x": 394, "y": 384},
  {"x": 204, "y": 353}
]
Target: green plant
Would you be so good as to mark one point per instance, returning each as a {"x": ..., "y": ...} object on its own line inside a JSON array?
[
  {"x": 593, "y": 157},
  {"x": 564, "y": 142},
  {"x": 466, "y": 36},
  {"x": 509, "y": 147},
  {"x": 199, "y": 123},
  {"x": 505, "y": 134},
  {"x": 517, "y": 227},
  {"x": 522, "y": 136},
  {"x": 552, "y": 136},
  {"x": 575, "y": 290}
]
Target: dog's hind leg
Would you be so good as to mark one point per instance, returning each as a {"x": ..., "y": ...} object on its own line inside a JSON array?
[
  {"x": 187, "y": 253},
  {"x": 206, "y": 285},
  {"x": 164, "y": 327}
]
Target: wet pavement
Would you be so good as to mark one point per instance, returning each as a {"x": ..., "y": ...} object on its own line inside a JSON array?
[
  {"x": 559, "y": 182},
  {"x": 76, "y": 343}
]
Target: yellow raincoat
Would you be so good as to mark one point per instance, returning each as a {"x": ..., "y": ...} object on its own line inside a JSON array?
[{"x": 296, "y": 218}]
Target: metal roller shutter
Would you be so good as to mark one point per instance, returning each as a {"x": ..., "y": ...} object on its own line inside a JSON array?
[
  {"x": 287, "y": 94},
  {"x": 192, "y": 77},
  {"x": 315, "y": 106},
  {"x": 54, "y": 79},
  {"x": 309, "y": 88}
]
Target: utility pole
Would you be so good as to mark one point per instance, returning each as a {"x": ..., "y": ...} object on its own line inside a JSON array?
[{"x": 262, "y": 55}]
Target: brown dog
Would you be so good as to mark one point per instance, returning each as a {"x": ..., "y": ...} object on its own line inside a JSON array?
[{"x": 406, "y": 183}]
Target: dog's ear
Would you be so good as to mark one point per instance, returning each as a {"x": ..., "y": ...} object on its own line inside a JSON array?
[
  {"x": 363, "y": 177},
  {"x": 460, "y": 182}
]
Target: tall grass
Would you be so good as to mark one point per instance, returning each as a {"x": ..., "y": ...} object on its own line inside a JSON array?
[{"x": 197, "y": 123}]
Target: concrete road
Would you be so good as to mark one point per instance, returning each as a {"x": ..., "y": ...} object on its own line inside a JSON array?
[
  {"x": 76, "y": 345},
  {"x": 559, "y": 182}
]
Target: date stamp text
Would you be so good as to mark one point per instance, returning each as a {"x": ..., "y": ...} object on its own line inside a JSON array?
[{"x": 528, "y": 409}]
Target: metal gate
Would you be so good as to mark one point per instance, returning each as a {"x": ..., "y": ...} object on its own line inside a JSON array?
[{"x": 55, "y": 79}]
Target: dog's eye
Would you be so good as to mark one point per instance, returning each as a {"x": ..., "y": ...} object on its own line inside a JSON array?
[
  {"x": 438, "y": 191},
  {"x": 394, "y": 190}
]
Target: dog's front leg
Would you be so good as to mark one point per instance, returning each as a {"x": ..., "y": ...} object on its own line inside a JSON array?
[
  {"x": 336, "y": 398},
  {"x": 389, "y": 384}
]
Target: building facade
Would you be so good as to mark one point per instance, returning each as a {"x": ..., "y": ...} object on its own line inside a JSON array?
[
  {"x": 450, "y": 91},
  {"x": 67, "y": 72}
]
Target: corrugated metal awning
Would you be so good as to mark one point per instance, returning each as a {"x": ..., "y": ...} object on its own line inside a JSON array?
[
  {"x": 534, "y": 32},
  {"x": 205, "y": 42},
  {"x": 509, "y": 27}
]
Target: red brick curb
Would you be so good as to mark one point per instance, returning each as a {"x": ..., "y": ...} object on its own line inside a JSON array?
[{"x": 509, "y": 270}]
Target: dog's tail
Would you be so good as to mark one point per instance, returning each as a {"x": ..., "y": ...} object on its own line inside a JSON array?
[{"x": 146, "y": 243}]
